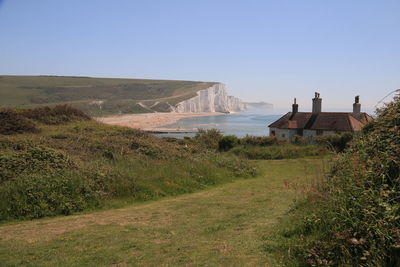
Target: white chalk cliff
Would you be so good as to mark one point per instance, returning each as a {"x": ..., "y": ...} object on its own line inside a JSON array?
[{"x": 212, "y": 99}]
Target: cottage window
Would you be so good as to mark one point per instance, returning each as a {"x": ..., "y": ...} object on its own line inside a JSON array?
[
  {"x": 283, "y": 135},
  {"x": 272, "y": 133},
  {"x": 319, "y": 132}
]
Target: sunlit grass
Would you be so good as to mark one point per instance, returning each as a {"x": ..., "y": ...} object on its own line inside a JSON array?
[{"x": 228, "y": 225}]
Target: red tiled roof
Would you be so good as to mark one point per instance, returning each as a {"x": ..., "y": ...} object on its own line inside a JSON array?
[
  {"x": 297, "y": 120},
  {"x": 328, "y": 121}
]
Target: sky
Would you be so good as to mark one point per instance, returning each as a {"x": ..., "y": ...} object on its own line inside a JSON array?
[{"x": 266, "y": 50}]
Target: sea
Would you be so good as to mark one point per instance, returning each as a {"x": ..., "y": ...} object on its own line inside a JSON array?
[{"x": 250, "y": 122}]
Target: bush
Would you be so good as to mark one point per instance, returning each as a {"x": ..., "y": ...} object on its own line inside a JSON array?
[
  {"x": 22, "y": 121},
  {"x": 39, "y": 195},
  {"x": 227, "y": 142},
  {"x": 259, "y": 140},
  {"x": 32, "y": 160},
  {"x": 12, "y": 122},
  {"x": 337, "y": 142},
  {"x": 54, "y": 115},
  {"x": 359, "y": 214},
  {"x": 299, "y": 140},
  {"x": 208, "y": 138}
]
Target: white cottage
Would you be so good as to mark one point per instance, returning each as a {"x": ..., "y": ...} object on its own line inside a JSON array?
[{"x": 311, "y": 124}]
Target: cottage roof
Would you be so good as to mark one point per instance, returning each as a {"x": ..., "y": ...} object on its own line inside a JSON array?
[
  {"x": 291, "y": 120},
  {"x": 327, "y": 121}
]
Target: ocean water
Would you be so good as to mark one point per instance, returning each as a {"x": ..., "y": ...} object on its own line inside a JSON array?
[{"x": 249, "y": 122}]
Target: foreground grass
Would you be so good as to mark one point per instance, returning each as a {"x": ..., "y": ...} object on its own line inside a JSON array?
[{"x": 228, "y": 225}]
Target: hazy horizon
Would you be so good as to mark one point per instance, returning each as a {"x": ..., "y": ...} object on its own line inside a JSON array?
[{"x": 268, "y": 51}]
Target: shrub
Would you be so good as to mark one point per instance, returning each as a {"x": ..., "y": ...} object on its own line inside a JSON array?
[
  {"x": 147, "y": 148},
  {"x": 337, "y": 142},
  {"x": 359, "y": 216},
  {"x": 32, "y": 160},
  {"x": 299, "y": 140},
  {"x": 208, "y": 138},
  {"x": 227, "y": 142},
  {"x": 259, "y": 140},
  {"x": 22, "y": 121},
  {"x": 55, "y": 115},
  {"x": 39, "y": 195},
  {"x": 12, "y": 122}
]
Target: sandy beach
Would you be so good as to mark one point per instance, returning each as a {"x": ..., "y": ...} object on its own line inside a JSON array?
[{"x": 152, "y": 121}]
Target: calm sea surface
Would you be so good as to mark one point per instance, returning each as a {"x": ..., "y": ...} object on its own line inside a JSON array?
[{"x": 251, "y": 122}]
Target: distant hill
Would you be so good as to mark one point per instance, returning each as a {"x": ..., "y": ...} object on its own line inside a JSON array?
[
  {"x": 258, "y": 105},
  {"x": 97, "y": 96}
]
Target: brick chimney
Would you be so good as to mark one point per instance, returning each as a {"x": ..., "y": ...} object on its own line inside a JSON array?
[
  {"x": 316, "y": 104},
  {"x": 295, "y": 107},
  {"x": 357, "y": 107}
]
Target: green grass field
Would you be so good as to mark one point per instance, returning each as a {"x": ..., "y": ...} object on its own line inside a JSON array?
[
  {"x": 119, "y": 95},
  {"x": 228, "y": 225}
]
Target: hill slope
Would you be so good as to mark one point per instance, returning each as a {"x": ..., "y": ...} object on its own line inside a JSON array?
[
  {"x": 59, "y": 161},
  {"x": 97, "y": 96}
]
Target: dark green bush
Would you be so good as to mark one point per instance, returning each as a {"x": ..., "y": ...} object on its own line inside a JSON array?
[
  {"x": 39, "y": 195},
  {"x": 54, "y": 115},
  {"x": 12, "y": 122},
  {"x": 32, "y": 160},
  {"x": 22, "y": 121},
  {"x": 208, "y": 138},
  {"x": 336, "y": 142},
  {"x": 227, "y": 142},
  {"x": 259, "y": 140}
]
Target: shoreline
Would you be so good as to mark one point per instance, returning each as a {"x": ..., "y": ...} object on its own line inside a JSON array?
[{"x": 153, "y": 122}]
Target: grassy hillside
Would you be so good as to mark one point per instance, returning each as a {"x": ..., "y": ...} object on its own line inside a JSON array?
[
  {"x": 59, "y": 161},
  {"x": 97, "y": 96}
]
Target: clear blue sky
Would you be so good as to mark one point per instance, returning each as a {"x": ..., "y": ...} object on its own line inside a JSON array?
[{"x": 263, "y": 50}]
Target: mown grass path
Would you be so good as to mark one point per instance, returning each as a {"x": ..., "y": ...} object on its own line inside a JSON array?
[{"x": 223, "y": 226}]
